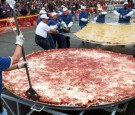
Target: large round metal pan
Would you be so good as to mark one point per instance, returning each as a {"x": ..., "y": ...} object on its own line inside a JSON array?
[
  {"x": 104, "y": 43},
  {"x": 94, "y": 42},
  {"x": 66, "y": 107}
]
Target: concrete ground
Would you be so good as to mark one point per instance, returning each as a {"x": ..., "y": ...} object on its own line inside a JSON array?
[{"x": 7, "y": 46}]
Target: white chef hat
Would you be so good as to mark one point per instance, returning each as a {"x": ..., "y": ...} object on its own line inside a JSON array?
[
  {"x": 62, "y": 6},
  {"x": 100, "y": 8},
  {"x": 44, "y": 16},
  {"x": 125, "y": 3},
  {"x": 65, "y": 9},
  {"x": 83, "y": 7},
  {"x": 43, "y": 8},
  {"x": 42, "y": 12},
  {"x": 54, "y": 13}
]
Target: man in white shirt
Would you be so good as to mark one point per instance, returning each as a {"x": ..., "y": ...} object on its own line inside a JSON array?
[{"x": 43, "y": 37}]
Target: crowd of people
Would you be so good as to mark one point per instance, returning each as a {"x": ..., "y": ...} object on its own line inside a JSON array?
[
  {"x": 49, "y": 32},
  {"x": 29, "y": 7}
]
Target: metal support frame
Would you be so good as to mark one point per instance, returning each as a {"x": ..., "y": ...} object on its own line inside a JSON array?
[
  {"x": 34, "y": 108},
  {"x": 37, "y": 108}
]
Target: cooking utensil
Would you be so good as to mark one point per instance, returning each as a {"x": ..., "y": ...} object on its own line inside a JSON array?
[{"x": 30, "y": 93}]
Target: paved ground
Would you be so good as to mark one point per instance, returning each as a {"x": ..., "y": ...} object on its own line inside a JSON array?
[{"x": 30, "y": 46}]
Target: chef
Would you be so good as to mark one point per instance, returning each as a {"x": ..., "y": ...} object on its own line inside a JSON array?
[
  {"x": 66, "y": 20},
  {"x": 43, "y": 32},
  {"x": 83, "y": 17},
  {"x": 124, "y": 13},
  {"x": 54, "y": 23},
  {"x": 100, "y": 16}
]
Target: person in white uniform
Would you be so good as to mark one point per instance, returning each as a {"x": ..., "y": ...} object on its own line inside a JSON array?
[{"x": 43, "y": 37}]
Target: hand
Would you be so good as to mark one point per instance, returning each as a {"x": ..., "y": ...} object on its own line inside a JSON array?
[
  {"x": 95, "y": 18},
  {"x": 20, "y": 39},
  {"x": 22, "y": 64},
  {"x": 57, "y": 31},
  {"x": 88, "y": 20},
  {"x": 59, "y": 24},
  {"x": 100, "y": 13},
  {"x": 121, "y": 16},
  {"x": 63, "y": 24},
  {"x": 124, "y": 16},
  {"x": 66, "y": 29}
]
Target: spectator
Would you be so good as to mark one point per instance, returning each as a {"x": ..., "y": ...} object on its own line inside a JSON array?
[
  {"x": 55, "y": 23},
  {"x": 50, "y": 7},
  {"x": 74, "y": 8}
]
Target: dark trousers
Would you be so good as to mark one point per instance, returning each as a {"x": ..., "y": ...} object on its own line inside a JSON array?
[
  {"x": 1, "y": 106},
  {"x": 67, "y": 41},
  {"x": 45, "y": 43},
  {"x": 60, "y": 40},
  {"x": 67, "y": 38}
]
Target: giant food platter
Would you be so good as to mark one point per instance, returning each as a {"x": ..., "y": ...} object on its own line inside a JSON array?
[
  {"x": 76, "y": 77},
  {"x": 111, "y": 33}
]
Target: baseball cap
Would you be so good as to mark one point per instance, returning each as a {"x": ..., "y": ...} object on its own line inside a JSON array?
[
  {"x": 42, "y": 12},
  {"x": 65, "y": 9},
  {"x": 43, "y": 8},
  {"x": 125, "y": 3},
  {"x": 84, "y": 7},
  {"x": 62, "y": 6},
  {"x": 44, "y": 16},
  {"x": 100, "y": 8},
  {"x": 54, "y": 13}
]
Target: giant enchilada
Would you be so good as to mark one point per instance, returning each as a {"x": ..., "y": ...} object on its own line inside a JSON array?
[{"x": 113, "y": 33}]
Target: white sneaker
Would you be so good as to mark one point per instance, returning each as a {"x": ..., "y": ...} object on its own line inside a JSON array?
[{"x": 4, "y": 112}]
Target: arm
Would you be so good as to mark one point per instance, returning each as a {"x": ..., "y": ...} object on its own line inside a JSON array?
[
  {"x": 12, "y": 67},
  {"x": 104, "y": 13},
  {"x": 18, "y": 50},
  {"x": 64, "y": 24},
  {"x": 130, "y": 13},
  {"x": 70, "y": 24},
  {"x": 84, "y": 19},
  {"x": 52, "y": 31},
  {"x": 116, "y": 13},
  {"x": 49, "y": 29},
  {"x": 53, "y": 26},
  {"x": 17, "y": 54},
  {"x": 17, "y": 66}
]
